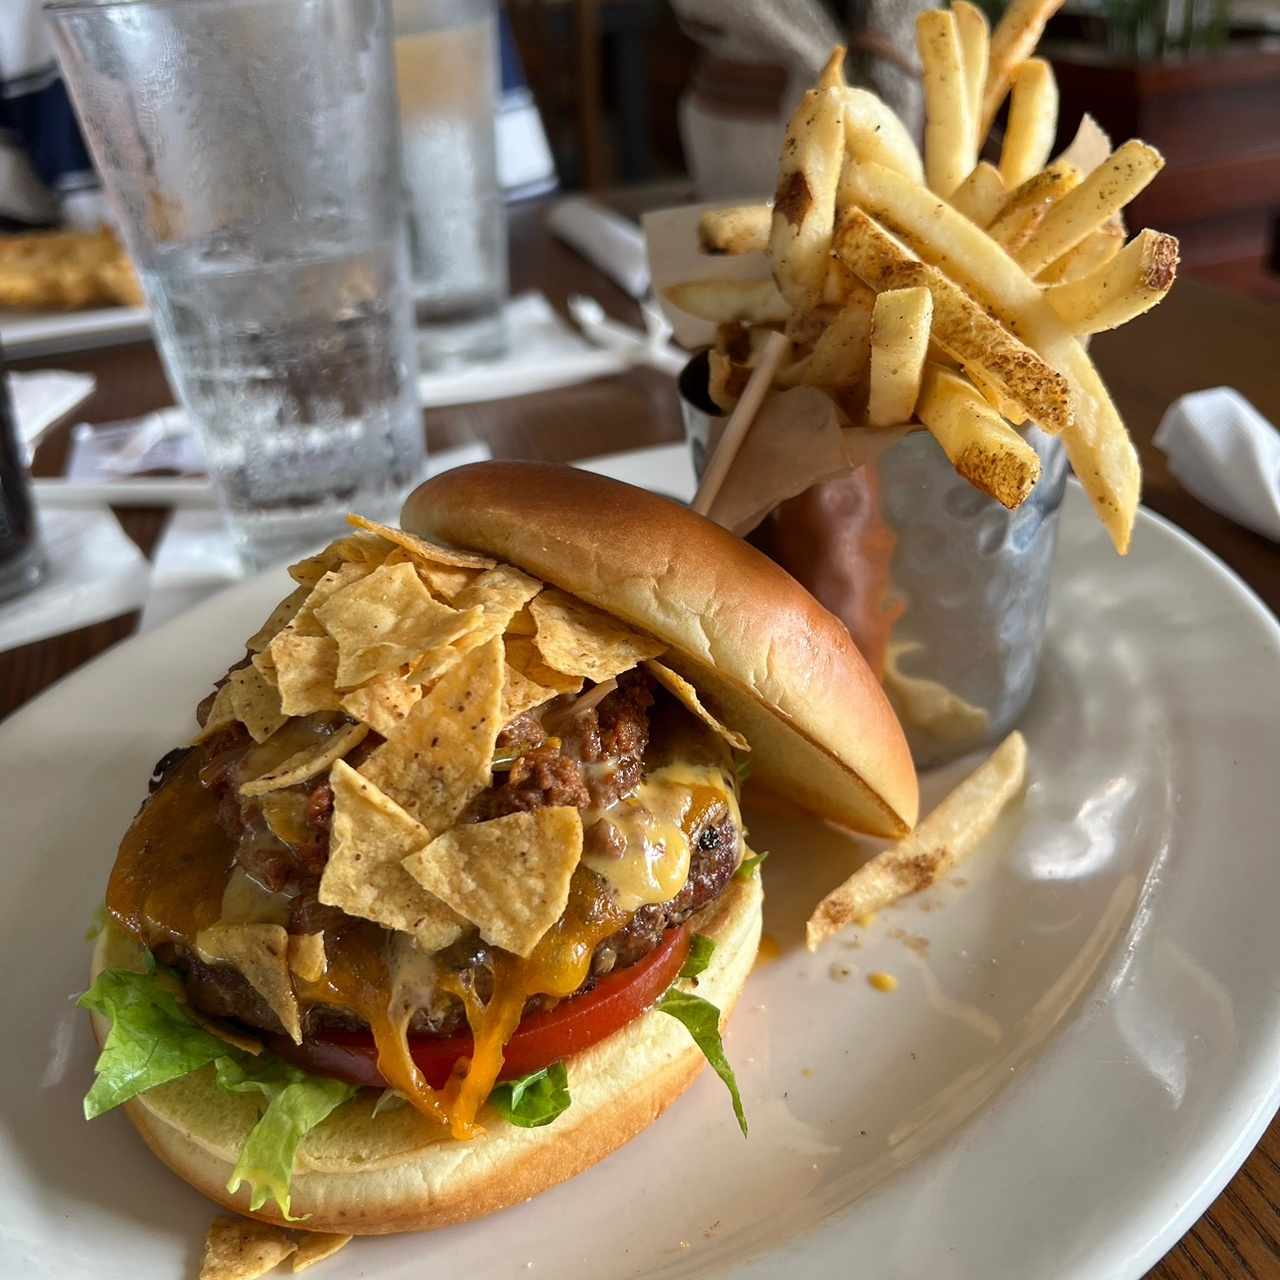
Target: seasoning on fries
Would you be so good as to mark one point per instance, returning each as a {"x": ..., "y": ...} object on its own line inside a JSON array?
[{"x": 1018, "y": 260}]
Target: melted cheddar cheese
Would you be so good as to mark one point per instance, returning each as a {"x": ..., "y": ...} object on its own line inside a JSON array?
[{"x": 656, "y": 823}]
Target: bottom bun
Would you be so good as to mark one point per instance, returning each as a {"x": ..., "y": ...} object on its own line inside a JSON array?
[{"x": 361, "y": 1174}]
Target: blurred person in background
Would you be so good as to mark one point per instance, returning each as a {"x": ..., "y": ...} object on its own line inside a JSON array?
[{"x": 46, "y": 176}]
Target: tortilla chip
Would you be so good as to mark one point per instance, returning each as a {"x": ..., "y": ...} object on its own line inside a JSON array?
[
  {"x": 370, "y": 837},
  {"x": 242, "y": 1249},
  {"x": 266, "y": 664},
  {"x": 236, "y": 1039},
  {"x": 222, "y": 712},
  {"x": 314, "y": 1246},
  {"x": 509, "y": 877},
  {"x": 520, "y": 694},
  {"x": 304, "y": 622},
  {"x": 428, "y": 551},
  {"x": 501, "y": 592},
  {"x": 260, "y": 952},
  {"x": 307, "y": 957},
  {"x": 438, "y": 758},
  {"x": 306, "y": 669},
  {"x": 308, "y": 762},
  {"x": 444, "y": 581},
  {"x": 384, "y": 621},
  {"x": 256, "y": 703},
  {"x": 382, "y": 703},
  {"x": 522, "y": 654},
  {"x": 280, "y": 617},
  {"x": 431, "y": 666},
  {"x": 581, "y": 641},
  {"x": 522, "y": 624},
  {"x": 687, "y": 695}
]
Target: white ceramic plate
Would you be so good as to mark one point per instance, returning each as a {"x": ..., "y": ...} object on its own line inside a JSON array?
[{"x": 1082, "y": 1049}]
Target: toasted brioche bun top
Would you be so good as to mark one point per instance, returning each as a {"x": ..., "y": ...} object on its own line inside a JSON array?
[{"x": 765, "y": 655}]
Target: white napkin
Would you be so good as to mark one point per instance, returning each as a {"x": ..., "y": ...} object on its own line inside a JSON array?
[
  {"x": 1227, "y": 454},
  {"x": 94, "y": 572},
  {"x": 195, "y": 557},
  {"x": 610, "y": 242},
  {"x": 543, "y": 352},
  {"x": 43, "y": 396}
]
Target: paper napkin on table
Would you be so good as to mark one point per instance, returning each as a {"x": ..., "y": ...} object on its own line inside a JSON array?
[
  {"x": 195, "y": 557},
  {"x": 607, "y": 241},
  {"x": 543, "y": 352},
  {"x": 94, "y": 572},
  {"x": 41, "y": 397},
  {"x": 1227, "y": 454}
]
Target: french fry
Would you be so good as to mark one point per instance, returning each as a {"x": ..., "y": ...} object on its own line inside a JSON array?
[
  {"x": 960, "y": 326},
  {"x": 724, "y": 301},
  {"x": 980, "y": 196},
  {"x": 975, "y": 47},
  {"x": 1135, "y": 280},
  {"x": 832, "y": 76},
  {"x": 1033, "y": 121},
  {"x": 1089, "y": 148},
  {"x": 949, "y": 834},
  {"x": 979, "y": 444},
  {"x": 1027, "y": 204},
  {"x": 872, "y": 131},
  {"x": 1091, "y": 253},
  {"x": 1012, "y": 43},
  {"x": 1100, "y": 196},
  {"x": 742, "y": 229},
  {"x": 804, "y": 208},
  {"x": 900, "y": 324},
  {"x": 1098, "y": 446},
  {"x": 840, "y": 355},
  {"x": 950, "y": 148}
]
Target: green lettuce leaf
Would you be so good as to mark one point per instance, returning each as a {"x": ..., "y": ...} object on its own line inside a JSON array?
[
  {"x": 702, "y": 1020},
  {"x": 750, "y": 866},
  {"x": 151, "y": 1039},
  {"x": 742, "y": 768},
  {"x": 535, "y": 1099},
  {"x": 701, "y": 950},
  {"x": 296, "y": 1103}
]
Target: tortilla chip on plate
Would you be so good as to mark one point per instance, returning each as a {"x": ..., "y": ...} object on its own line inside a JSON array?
[
  {"x": 242, "y": 1249},
  {"x": 316, "y": 1246}
]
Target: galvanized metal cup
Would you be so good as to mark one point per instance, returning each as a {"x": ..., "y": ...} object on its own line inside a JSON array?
[{"x": 944, "y": 590}]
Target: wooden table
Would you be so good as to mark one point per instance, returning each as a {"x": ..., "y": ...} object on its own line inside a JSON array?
[{"x": 1199, "y": 338}]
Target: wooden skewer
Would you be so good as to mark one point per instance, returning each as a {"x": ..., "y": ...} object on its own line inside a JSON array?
[{"x": 740, "y": 420}]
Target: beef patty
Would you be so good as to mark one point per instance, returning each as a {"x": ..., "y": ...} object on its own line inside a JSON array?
[{"x": 590, "y": 759}]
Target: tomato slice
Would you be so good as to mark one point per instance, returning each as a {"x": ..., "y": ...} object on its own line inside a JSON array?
[{"x": 572, "y": 1026}]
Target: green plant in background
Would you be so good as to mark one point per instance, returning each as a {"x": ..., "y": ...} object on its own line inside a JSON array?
[
  {"x": 1149, "y": 30},
  {"x": 1155, "y": 29}
]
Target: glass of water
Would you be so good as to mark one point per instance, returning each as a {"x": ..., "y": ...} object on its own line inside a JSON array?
[
  {"x": 250, "y": 149},
  {"x": 446, "y": 55}
]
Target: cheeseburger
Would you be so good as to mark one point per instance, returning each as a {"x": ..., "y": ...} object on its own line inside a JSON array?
[{"x": 450, "y": 894}]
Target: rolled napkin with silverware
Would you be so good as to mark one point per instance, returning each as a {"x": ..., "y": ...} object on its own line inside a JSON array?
[{"x": 1224, "y": 452}]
